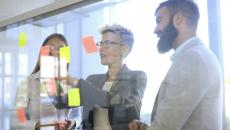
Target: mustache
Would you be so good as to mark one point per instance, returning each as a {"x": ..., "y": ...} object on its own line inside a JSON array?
[{"x": 167, "y": 38}]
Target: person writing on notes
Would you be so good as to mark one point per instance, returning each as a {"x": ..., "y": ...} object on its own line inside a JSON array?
[{"x": 30, "y": 94}]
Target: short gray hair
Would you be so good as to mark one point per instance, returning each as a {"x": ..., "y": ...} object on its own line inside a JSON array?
[{"x": 125, "y": 34}]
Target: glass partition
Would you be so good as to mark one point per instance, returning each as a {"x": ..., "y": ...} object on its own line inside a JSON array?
[{"x": 17, "y": 63}]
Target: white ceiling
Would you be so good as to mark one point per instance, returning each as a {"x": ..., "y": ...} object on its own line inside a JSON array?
[{"x": 10, "y": 8}]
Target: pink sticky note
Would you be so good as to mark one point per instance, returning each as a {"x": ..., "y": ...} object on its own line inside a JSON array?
[
  {"x": 89, "y": 44},
  {"x": 45, "y": 51},
  {"x": 21, "y": 115}
]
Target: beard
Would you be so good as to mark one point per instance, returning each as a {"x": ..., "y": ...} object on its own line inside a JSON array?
[{"x": 167, "y": 38}]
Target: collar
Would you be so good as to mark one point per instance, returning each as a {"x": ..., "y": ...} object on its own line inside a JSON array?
[
  {"x": 124, "y": 69},
  {"x": 35, "y": 75},
  {"x": 181, "y": 47}
]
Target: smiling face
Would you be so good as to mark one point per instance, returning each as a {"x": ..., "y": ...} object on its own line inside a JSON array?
[
  {"x": 112, "y": 54},
  {"x": 165, "y": 30}
]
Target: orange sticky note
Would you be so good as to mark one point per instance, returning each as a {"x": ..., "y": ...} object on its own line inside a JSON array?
[
  {"x": 21, "y": 115},
  {"x": 89, "y": 44},
  {"x": 65, "y": 52},
  {"x": 45, "y": 51},
  {"x": 22, "y": 39},
  {"x": 74, "y": 97}
]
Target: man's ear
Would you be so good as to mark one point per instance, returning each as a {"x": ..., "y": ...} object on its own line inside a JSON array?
[{"x": 178, "y": 19}]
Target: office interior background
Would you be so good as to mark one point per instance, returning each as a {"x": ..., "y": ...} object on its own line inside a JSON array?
[{"x": 82, "y": 18}]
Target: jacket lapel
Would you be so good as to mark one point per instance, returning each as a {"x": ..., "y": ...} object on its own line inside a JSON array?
[{"x": 122, "y": 76}]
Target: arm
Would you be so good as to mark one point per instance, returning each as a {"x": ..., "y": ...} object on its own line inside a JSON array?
[
  {"x": 140, "y": 81},
  {"x": 130, "y": 100},
  {"x": 21, "y": 101}
]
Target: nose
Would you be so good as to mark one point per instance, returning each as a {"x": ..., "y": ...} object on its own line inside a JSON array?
[
  {"x": 157, "y": 31},
  {"x": 54, "y": 52},
  {"x": 101, "y": 48}
]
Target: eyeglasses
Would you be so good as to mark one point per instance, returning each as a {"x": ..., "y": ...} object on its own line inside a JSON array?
[{"x": 107, "y": 43}]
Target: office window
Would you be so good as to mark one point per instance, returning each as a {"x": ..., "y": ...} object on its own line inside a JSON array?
[
  {"x": 7, "y": 63},
  {"x": 1, "y": 62},
  {"x": 23, "y": 62},
  {"x": 76, "y": 24},
  {"x": 225, "y": 27}
]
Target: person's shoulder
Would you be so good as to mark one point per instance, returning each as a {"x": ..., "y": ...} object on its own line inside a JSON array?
[
  {"x": 139, "y": 74},
  {"x": 96, "y": 76},
  {"x": 135, "y": 72}
]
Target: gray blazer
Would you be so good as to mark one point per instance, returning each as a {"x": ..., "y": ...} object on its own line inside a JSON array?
[
  {"x": 123, "y": 100},
  {"x": 191, "y": 95}
]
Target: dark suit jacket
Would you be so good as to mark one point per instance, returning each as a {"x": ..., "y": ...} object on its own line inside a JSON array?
[{"x": 123, "y": 100}]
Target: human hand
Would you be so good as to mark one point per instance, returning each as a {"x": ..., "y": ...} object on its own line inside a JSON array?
[
  {"x": 62, "y": 124},
  {"x": 68, "y": 80},
  {"x": 66, "y": 125},
  {"x": 137, "y": 125}
]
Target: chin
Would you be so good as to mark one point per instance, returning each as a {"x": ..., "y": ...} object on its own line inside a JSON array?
[{"x": 103, "y": 63}]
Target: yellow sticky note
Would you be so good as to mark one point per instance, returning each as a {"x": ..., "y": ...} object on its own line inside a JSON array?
[
  {"x": 74, "y": 97},
  {"x": 65, "y": 52},
  {"x": 22, "y": 39}
]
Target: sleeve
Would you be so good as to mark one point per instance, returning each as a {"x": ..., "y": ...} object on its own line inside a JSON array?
[
  {"x": 180, "y": 92},
  {"x": 21, "y": 101},
  {"x": 76, "y": 115},
  {"x": 130, "y": 106},
  {"x": 140, "y": 80}
]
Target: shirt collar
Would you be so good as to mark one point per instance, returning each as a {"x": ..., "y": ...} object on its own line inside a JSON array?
[
  {"x": 35, "y": 75},
  {"x": 181, "y": 47}
]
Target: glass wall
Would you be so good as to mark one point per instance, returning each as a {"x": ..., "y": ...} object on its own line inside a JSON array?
[
  {"x": 225, "y": 42},
  {"x": 16, "y": 63}
]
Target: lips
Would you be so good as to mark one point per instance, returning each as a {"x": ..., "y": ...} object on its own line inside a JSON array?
[{"x": 159, "y": 35}]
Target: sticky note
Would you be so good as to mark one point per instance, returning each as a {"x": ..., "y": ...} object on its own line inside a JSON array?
[
  {"x": 74, "y": 97},
  {"x": 65, "y": 52},
  {"x": 44, "y": 51},
  {"x": 22, "y": 39},
  {"x": 89, "y": 44},
  {"x": 47, "y": 67},
  {"x": 21, "y": 115},
  {"x": 63, "y": 67}
]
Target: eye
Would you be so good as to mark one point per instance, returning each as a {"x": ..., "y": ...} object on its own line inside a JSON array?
[{"x": 158, "y": 20}]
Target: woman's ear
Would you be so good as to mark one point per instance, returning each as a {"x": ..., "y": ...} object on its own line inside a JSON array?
[{"x": 125, "y": 51}]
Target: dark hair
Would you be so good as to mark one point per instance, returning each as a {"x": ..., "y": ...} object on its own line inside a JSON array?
[
  {"x": 187, "y": 7},
  {"x": 54, "y": 35}
]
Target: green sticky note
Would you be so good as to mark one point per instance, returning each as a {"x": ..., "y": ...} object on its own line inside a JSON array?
[
  {"x": 74, "y": 97},
  {"x": 22, "y": 39},
  {"x": 65, "y": 52}
]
